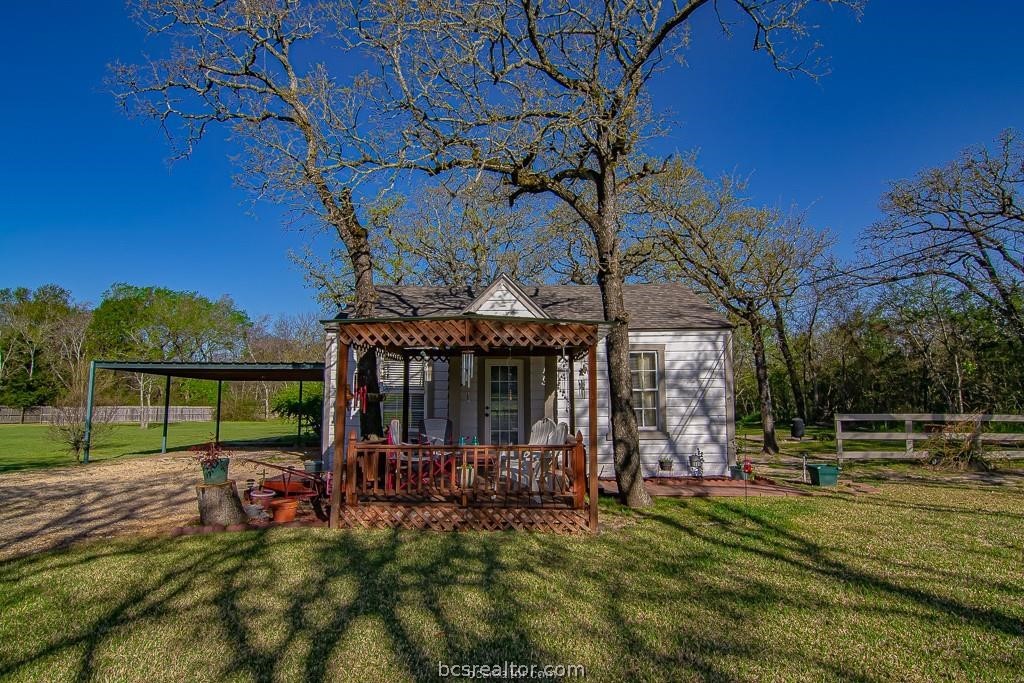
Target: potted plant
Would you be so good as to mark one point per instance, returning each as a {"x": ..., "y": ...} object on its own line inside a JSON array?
[
  {"x": 665, "y": 463},
  {"x": 466, "y": 476},
  {"x": 212, "y": 458},
  {"x": 743, "y": 471}
]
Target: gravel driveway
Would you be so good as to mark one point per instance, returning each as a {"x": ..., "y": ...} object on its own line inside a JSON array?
[{"x": 49, "y": 508}]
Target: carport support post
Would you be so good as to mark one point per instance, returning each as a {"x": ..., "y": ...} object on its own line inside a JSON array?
[
  {"x": 167, "y": 412},
  {"x": 298, "y": 432},
  {"x": 216, "y": 435},
  {"x": 88, "y": 410}
]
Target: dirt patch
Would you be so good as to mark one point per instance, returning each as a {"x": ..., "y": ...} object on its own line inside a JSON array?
[{"x": 45, "y": 509}]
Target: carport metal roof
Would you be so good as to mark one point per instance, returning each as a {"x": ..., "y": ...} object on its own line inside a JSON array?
[
  {"x": 228, "y": 372},
  {"x": 218, "y": 372}
]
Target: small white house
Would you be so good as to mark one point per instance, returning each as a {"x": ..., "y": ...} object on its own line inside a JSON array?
[{"x": 680, "y": 354}]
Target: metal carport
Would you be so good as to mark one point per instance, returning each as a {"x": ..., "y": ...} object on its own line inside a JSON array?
[{"x": 232, "y": 372}]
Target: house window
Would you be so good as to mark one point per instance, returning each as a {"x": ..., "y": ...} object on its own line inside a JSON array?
[
  {"x": 643, "y": 365},
  {"x": 391, "y": 386}
]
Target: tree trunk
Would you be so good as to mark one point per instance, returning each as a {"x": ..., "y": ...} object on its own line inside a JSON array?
[
  {"x": 764, "y": 391},
  {"x": 787, "y": 355},
  {"x": 625, "y": 436},
  {"x": 219, "y": 504},
  {"x": 371, "y": 421}
]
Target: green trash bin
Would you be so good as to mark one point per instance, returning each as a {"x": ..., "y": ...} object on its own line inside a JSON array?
[{"x": 824, "y": 475}]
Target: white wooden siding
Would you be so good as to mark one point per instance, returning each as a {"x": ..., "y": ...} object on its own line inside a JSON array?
[
  {"x": 697, "y": 394},
  {"x": 439, "y": 389},
  {"x": 503, "y": 301}
]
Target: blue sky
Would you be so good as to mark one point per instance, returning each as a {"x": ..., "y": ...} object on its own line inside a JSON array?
[{"x": 88, "y": 198}]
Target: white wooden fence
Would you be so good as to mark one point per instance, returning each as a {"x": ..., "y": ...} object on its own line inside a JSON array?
[
  {"x": 1012, "y": 444},
  {"x": 112, "y": 414}
]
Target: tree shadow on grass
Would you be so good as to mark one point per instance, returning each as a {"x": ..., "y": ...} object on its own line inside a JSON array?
[
  {"x": 754, "y": 534},
  {"x": 230, "y": 572},
  {"x": 660, "y": 599}
]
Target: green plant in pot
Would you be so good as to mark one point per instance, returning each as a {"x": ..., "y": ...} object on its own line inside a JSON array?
[
  {"x": 665, "y": 463},
  {"x": 213, "y": 459}
]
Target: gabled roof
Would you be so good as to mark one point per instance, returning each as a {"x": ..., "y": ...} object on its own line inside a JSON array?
[
  {"x": 520, "y": 295},
  {"x": 663, "y": 306}
]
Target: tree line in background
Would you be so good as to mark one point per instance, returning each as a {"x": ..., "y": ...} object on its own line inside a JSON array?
[{"x": 47, "y": 341}]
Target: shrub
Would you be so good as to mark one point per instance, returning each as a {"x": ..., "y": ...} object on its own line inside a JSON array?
[
  {"x": 310, "y": 409},
  {"x": 957, "y": 446}
]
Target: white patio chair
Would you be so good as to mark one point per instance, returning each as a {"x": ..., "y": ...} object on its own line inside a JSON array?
[
  {"x": 528, "y": 469},
  {"x": 435, "y": 431}
]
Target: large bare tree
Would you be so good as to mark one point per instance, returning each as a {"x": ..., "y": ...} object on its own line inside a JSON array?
[
  {"x": 748, "y": 260},
  {"x": 963, "y": 222},
  {"x": 458, "y": 233},
  {"x": 253, "y": 66},
  {"x": 554, "y": 98}
]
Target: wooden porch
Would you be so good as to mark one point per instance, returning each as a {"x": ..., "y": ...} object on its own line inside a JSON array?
[{"x": 551, "y": 487}]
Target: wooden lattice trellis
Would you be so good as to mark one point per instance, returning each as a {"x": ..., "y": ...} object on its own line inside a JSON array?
[
  {"x": 468, "y": 333},
  {"x": 440, "y": 517}
]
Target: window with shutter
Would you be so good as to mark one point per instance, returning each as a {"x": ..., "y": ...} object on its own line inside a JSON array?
[{"x": 391, "y": 386}]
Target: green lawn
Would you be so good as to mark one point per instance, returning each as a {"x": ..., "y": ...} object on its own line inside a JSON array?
[
  {"x": 921, "y": 582},
  {"x": 31, "y": 446}
]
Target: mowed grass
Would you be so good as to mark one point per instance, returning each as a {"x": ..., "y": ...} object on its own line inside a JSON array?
[
  {"x": 33, "y": 446},
  {"x": 921, "y": 582}
]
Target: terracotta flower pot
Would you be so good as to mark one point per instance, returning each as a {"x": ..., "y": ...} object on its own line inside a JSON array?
[
  {"x": 284, "y": 509},
  {"x": 262, "y": 496}
]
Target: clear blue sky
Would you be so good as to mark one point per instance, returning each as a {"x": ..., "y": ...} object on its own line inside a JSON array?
[{"x": 88, "y": 199}]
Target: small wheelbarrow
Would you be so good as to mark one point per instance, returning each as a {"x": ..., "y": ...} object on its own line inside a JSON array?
[{"x": 298, "y": 483}]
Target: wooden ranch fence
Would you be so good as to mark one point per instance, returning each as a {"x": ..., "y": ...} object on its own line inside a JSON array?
[
  {"x": 112, "y": 414},
  {"x": 932, "y": 423}
]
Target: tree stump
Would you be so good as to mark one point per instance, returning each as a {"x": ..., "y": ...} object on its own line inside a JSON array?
[{"x": 220, "y": 504}]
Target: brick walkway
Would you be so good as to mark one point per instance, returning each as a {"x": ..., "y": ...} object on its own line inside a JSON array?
[{"x": 709, "y": 488}]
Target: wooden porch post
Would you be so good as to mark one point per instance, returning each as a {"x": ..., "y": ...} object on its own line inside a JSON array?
[
  {"x": 592, "y": 426},
  {"x": 350, "y": 470},
  {"x": 340, "y": 398},
  {"x": 404, "y": 436},
  {"x": 579, "y": 473}
]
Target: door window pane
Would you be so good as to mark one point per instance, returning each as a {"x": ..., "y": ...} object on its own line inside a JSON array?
[{"x": 504, "y": 404}]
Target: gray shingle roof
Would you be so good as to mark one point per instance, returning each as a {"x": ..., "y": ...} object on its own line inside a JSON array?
[{"x": 655, "y": 306}]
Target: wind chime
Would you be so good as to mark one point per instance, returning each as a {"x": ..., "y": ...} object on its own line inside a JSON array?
[
  {"x": 564, "y": 382},
  {"x": 467, "y": 368},
  {"x": 428, "y": 367}
]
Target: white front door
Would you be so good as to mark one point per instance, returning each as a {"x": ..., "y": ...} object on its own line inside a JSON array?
[{"x": 503, "y": 402}]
